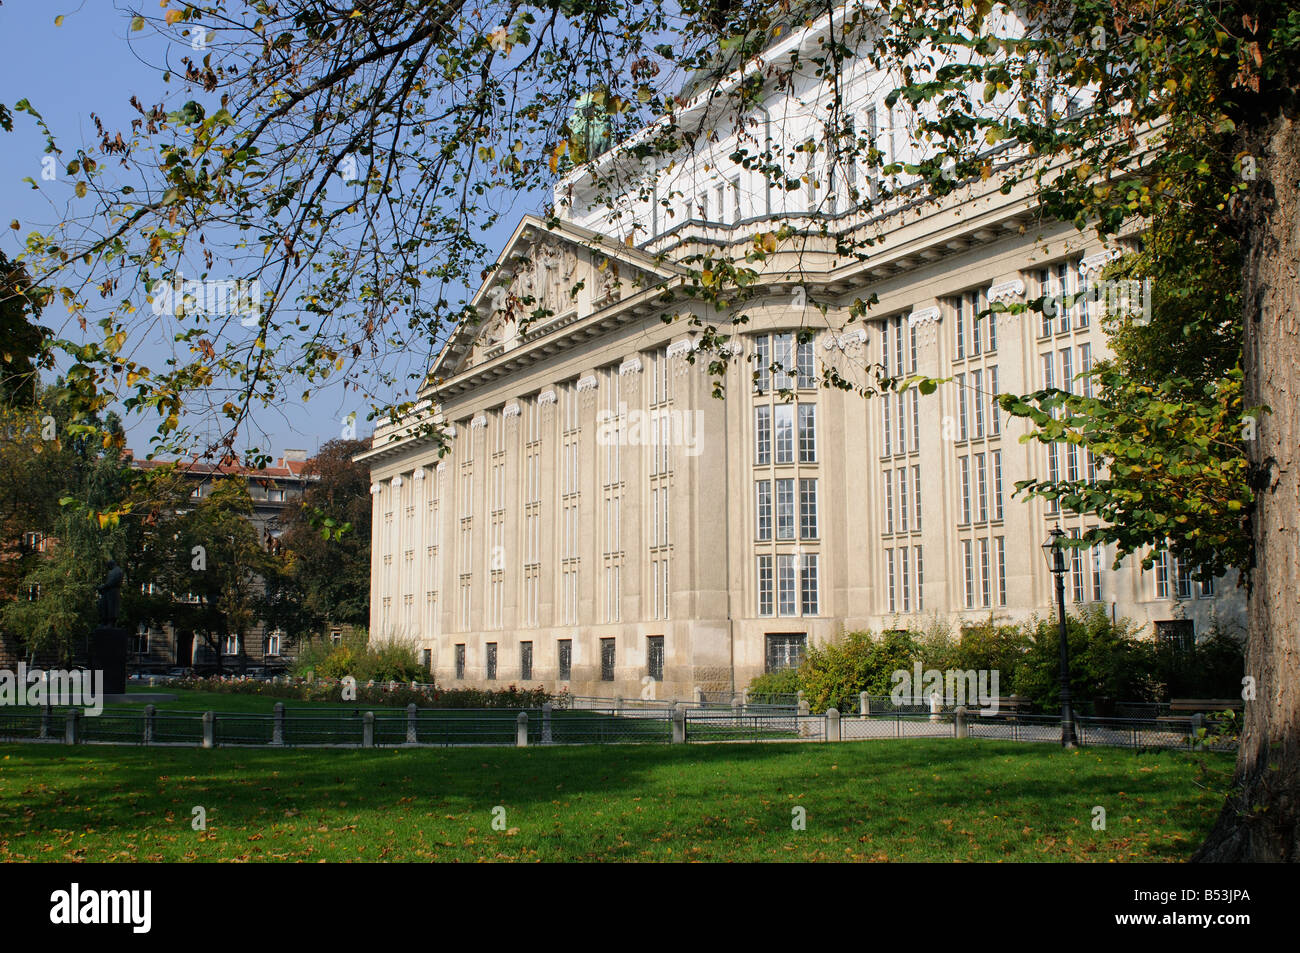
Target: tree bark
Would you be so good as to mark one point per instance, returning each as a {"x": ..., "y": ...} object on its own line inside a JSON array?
[{"x": 1261, "y": 819}]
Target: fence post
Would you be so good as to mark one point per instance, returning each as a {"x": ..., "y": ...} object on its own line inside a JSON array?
[
  {"x": 72, "y": 727},
  {"x": 209, "y": 729},
  {"x": 546, "y": 723},
  {"x": 618, "y": 704},
  {"x": 803, "y": 704},
  {"x": 936, "y": 706},
  {"x": 412, "y": 722},
  {"x": 960, "y": 728},
  {"x": 368, "y": 729},
  {"x": 1198, "y": 722},
  {"x": 699, "y": 695},
  {"x": 521, "y": 730},
  {"x": 277, "y": 724},
  {"x": 744, "y": 697},
  {"x": 679, "y": 725},
  {"x": 833, "y": 725},
  {"x": 149, "y": 712},
  {"x": 864, "y": 704},
  {"x": 46, "y": 716}
]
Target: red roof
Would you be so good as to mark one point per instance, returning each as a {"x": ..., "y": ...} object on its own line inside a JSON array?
[{"x": 283, "y": 470}]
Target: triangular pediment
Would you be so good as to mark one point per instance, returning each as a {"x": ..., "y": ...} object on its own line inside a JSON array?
[{"x": 546, "y": 279}]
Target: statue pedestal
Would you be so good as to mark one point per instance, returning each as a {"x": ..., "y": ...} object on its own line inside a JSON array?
[{"x": 108, "y": 655}]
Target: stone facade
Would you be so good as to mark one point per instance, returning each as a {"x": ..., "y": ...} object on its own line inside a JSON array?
[{"x": 600, "y": 507}]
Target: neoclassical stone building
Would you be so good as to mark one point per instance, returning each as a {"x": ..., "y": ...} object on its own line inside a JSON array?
[{"x": 604, "y": 523}]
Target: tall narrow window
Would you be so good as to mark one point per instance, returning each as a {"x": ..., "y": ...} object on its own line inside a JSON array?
[
  {"x": 765, "y": 585},
  {"x": 763, "y": 435},
  {"x": 889, "y": 576},
  {"x": 959, "y": 328},
  {"x": 904, "y": 514},
  {"x": 986, "y": 582},
  {"x": 992, "y": 322},
  {"x": 886, "y": 420},
  {"x": 809, "y": 594},
  {"x": 920, "y": 578},
  {"x": 654, "y": 651},
  {"x": 785, "y": 509},
  {"x": 1076, "y": 569},
  {"x": 1096, "y": 556},
  {"x": 763, "y": 508},
  {"x": 807, "y": 433},
  {"x": 762, "y": 364},
  {"x": 969, "y": 573},
  {"x": 805, "y": 364},
  {"x": 916, "y": 419},
  {"x": 888, "y": 483},
  {"x": 916, "y": 497},
  {"x": 995, "y": 412},
  {"x": 525, "y": 661},
  {"x": 997, "y": 484},
  {"x": 1162, "y": 575},
  {"x": 962, "y": 433},
  {"x": 904, "y": 565},
  {"x": 490, "y": 661},
  {"x": 964, "y": 464},
  {"x": 1002, "y": 569},
  {"x": 786, "y": 598},
  {"x": 606, "y": 660},
  {"x": 564, "y": 658},
  {"x": 807, "y": 508},
  {"x": 783, "y": 359},
  {"x": 784, "y": 433}
]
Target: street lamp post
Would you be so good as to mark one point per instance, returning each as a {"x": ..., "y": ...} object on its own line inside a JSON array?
[{"x": 1055, "y": 553}]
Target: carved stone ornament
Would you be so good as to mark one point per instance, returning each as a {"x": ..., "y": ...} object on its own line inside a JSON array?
[
  {"x": 1100, "y": 260},
  {"x": 1006, "y": 291}
]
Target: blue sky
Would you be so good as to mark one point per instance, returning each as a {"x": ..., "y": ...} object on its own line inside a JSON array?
[{"x": 92, "y": 63}]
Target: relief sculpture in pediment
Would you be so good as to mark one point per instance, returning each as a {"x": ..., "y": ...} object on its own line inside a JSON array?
[{"x": 543, "y": 280}]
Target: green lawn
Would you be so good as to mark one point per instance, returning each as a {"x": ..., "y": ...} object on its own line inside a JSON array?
[{"x": 877, "y": 800}]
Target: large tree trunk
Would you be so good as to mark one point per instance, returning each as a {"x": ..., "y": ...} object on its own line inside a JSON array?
[{"x": 1261, "y": 820}]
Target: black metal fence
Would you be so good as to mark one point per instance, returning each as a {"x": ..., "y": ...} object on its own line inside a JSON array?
[{"x": 304, "y": 727}]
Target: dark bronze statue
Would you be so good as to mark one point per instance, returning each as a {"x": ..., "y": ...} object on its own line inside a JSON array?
[{"x": 110, "y": 594}]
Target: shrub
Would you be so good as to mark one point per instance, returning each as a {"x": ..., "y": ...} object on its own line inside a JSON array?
[
  {"x": 381, "y": 694},
  {"x": 835, "y": 674},
  {"x": 782, "y": 682},
  {"x": 386, "y": 661},
  {"x": 1107, "y": 660},
  {"x": 987, "y": 646}
]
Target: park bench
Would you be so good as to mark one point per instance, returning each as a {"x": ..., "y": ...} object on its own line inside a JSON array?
[
  {"x": 1009, "y": 706},
  {"x": 1182, "y": 709}
]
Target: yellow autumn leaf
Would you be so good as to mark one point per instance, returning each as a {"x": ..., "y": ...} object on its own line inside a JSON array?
[
  {"x": 80, "y": 189},
  {"x": 137, "y": 23}
]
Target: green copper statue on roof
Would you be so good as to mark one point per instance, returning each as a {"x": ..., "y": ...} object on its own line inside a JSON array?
[{"x": 589, "y": 126}]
